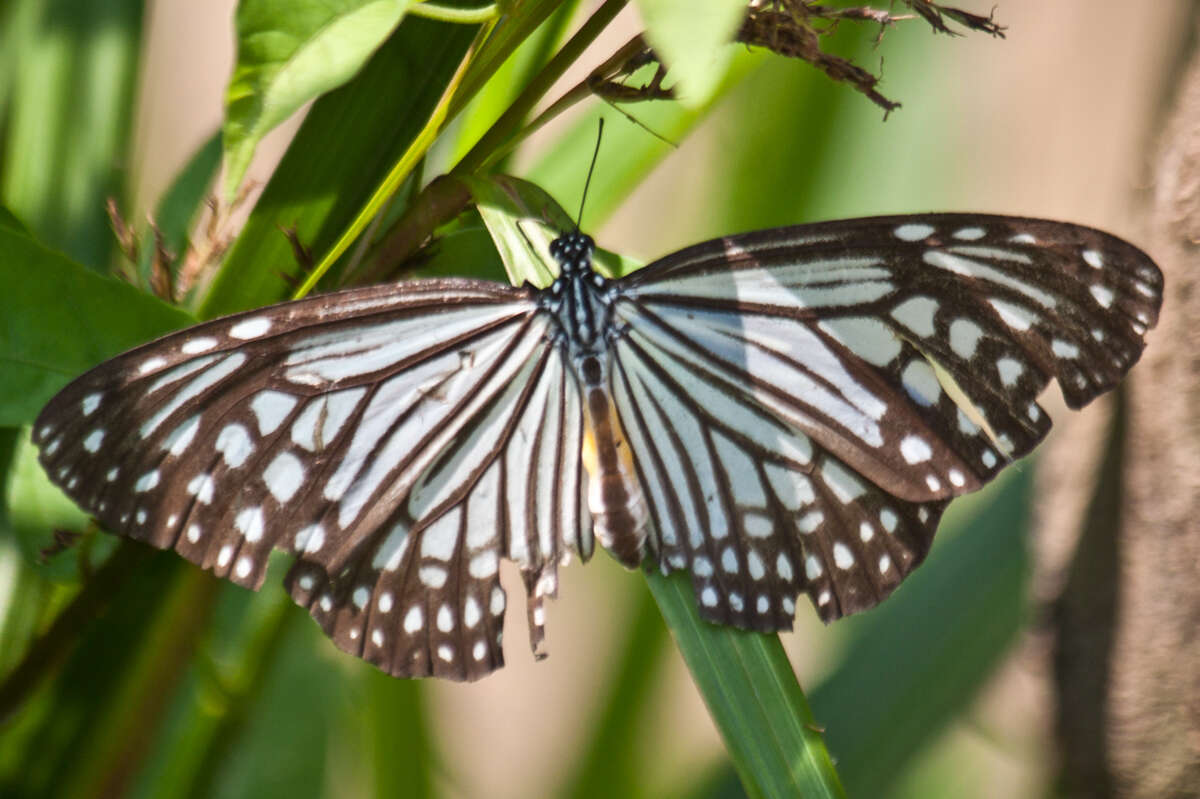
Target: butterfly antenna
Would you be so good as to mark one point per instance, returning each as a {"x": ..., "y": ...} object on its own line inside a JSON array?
[{"x": 588, "y": 182}]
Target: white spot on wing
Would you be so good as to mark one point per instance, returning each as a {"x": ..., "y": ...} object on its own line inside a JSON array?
[
  {"x": 310, "y": 539},
  {"x": 201, "y": 487},
  {"x": 1064, "y": 349},
  {"x": 729, "y": 561},
  {"x": 284, "y": 476},
  {"x": 921, "y": 383},
  {"x": 90, "y": 403},
  {"x": 889, "y": 519},
  {"x": 915, "y": 449},
  {"x": 783, "y": 567},
  {"x": 93, "y": 441},
  {"x": 969, "y": 233},
  {"x": 472, "y": 613},
  {"x": 1015, "y": 316},
  {"x": 234, "y": 443},
  {"x": 842, "y": 556},
  {"x": 181, "y": 437},
  {"x": 917, "y": 314},
  {"x": 414, "y": 619},
  {"x": 867, "y": 338},
  {"x": 913, "y": 232},
  {"x": 1093, "y": 259},
  {"x": 146, "y": 482},
  {"x": 150, "y": 364},
  {"x": 250, "y": 328},
  {"x": 196, "y": 346},
  {"x": 270, "y": 409},
  {"x": 812, "y": 567},
  {"x": 251, "y": 523},
  {"x": 844, "y": 485},
  {"x": 432, "y": 576},
  {"x": 964, "y": 338},
  {"x": 1010, "y": 371}
]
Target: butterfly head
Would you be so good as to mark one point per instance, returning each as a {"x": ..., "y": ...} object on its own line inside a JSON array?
[{"x": 573, "y": 251}]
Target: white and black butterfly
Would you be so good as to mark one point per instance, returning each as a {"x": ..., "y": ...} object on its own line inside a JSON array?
[{"x": 778, "y": 412}]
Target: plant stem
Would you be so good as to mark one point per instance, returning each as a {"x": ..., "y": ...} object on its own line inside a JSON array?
[{"x": 505, "y": 133}]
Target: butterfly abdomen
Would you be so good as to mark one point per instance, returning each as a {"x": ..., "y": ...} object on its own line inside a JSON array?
[{"x": 614, "y": 494}]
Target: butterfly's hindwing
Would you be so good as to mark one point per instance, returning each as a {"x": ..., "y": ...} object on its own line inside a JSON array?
[
  {"x": 427, "y": 600},
  {"x": 750, "y": 506}
]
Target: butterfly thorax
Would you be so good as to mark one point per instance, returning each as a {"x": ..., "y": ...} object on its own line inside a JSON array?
[
  {"x": 579, "y": 297},
  {"x": 581, "y": 302}
]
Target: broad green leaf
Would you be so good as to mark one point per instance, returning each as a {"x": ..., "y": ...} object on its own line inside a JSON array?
[
  {"x": 10, "y": 222},
  {"x": 694, "y": 40},
  {"x": 348, "y": 141},
  {"x": 289, "y": 53},
  {"x": 69, "y": 120},
  {"x": 60, "y": 318}
]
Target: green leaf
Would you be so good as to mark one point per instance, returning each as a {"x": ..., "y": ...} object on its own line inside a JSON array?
[
  {"x": 289, "y": 53},
  {"x": 752, "y": 696},
  {"x": 72, "y": 103},
  {"x": 10, "y": 222},
  {"x": 694, "y": 40},
  {"x": 523, "y": 220},
  {"x": 60, "y": 318},
  {"x": 349, "y": 139}
]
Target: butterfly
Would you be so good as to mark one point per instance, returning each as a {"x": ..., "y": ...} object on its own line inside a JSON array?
[{"x": 779, "y": 412}]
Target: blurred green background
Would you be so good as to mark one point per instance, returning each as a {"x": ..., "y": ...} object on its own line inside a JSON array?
[{"x": 186, "y": 687}]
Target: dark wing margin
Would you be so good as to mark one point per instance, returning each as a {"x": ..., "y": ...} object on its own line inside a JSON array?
[
  {"x": 307, "y": 427},
  {"x": 875, "y": 368}
]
